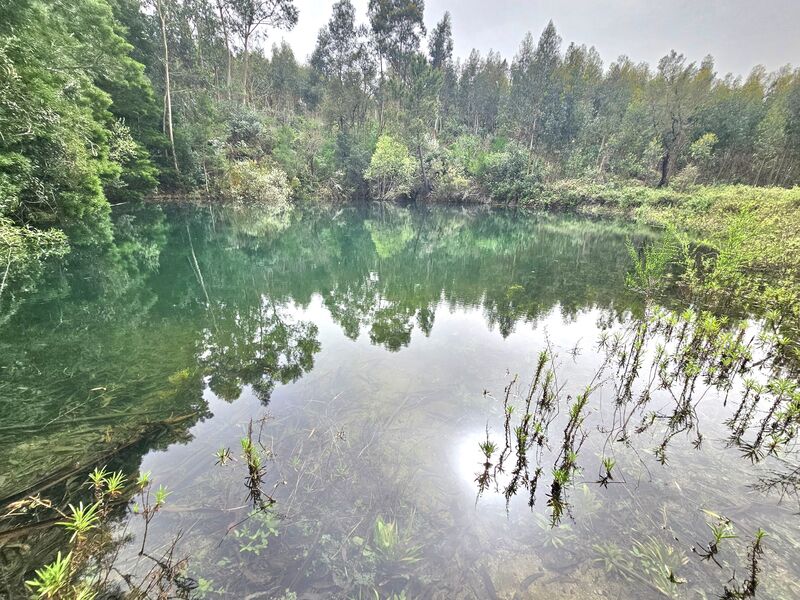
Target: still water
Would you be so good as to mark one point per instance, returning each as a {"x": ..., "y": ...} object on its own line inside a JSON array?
[{"x": 369, "y": 352}]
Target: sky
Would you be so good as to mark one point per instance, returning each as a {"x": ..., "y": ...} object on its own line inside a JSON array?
[{"x": 737, "y": 33}]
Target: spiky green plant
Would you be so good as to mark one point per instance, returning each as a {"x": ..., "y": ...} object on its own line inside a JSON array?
[
  {"x": 51, "y": 579},
  {"x": 115, "y": 484},
  {"x": 81, "y": 519}
]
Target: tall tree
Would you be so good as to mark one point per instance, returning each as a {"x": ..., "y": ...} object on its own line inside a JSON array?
[
  {"x": 440, "y": 46},
  {"x": 674, "y": 98},
  {"x": 163, "y": 14},
  {"x": 249, "y": 16},
  {"x": 440, "y": 51},
  {"x": 535, "y": 97},
  {"x": 341, "y": 58},
  {"x": 397, "y": 27}
]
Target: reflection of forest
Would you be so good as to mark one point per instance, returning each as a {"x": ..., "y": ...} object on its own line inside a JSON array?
[
  {"x": 109, "y": 358},
  {"x": 384, "y": 270},
  {"x": 118, "y": 346}
]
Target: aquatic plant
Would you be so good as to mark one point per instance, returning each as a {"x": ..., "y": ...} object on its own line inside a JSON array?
[
  {"x": 721, "y": 529},
  {"x": 747, "y": 589},
  {"x": 488, "y": 448},
  {"x": 256, "y": 471},
  {"x": 606, "y": 476},
  {"x": 612, "y": 559},
  {"x": 81, "y": 519},
  {"x": 84, "y": 572},
  {"x": 557, "y": 537},
  {"x": 650, "y": 562},
  {"x": 390, "y": 545},
  {"x": 224, "y": 456},
  {"x": 660, "y": 564},
  {"x": 53, "y": 578},
  {"x": 253, "y": 536},
  {"x": 148, "y": 506}
]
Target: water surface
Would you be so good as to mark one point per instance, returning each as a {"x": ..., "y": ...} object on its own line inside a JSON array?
[{"x": 368, "y": 349}]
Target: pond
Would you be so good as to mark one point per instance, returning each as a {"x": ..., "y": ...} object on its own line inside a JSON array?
[{"x": 445, "y": 403}]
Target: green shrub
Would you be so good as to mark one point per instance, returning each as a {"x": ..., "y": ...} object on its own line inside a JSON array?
[
  {"x": 391, "y": 170},
  {"x": 449, "y": 180},
  {"x": 509, "y": 175},
  {"x": 250, "y": 182}
]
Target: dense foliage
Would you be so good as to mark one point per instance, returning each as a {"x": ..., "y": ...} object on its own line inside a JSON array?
[{"x": 101, "y": 101}]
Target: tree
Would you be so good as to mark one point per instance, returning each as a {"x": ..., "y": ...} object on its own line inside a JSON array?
[
  {"x": 534, "y": 99},
  {"x": 397, "y": 26},
  {"x": 341, "y": 59},
  {"x": 162, "y": 11},
  {"x": 440, "y": 46},
  {"x": 440, "y": 51},
  {"x": 63, "y": 149},
  {"x": 248, "y": 16},
  {"x": 674, "y": 98}
]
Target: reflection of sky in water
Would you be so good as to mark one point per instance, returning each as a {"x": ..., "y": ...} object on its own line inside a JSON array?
[
  {"x": 387, "y": 424},
  {"x": 430, "y": 393}
]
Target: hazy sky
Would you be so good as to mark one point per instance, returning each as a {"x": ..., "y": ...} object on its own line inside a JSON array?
[{"x": 738, "y": 33}]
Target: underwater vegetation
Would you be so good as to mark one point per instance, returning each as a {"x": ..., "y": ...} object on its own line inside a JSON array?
[
  {"x": 360, "y": 482},
  {"x": 90, "y": 566},
  {"x": 659, "y": 369}
]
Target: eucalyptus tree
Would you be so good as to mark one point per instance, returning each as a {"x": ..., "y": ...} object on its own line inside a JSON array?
[
  {"x": 440, "y": 45},
  {"x": 535, "y": 98},
  {"x": 249, "y": 17},
  {"x": 164, "y": 10},
  {"x": 285, "y": 81},
  {"x": 608, "y": 140},
  {"x": 440, "y": 52},
  {"x": 397, "y": 27},
  {"x": 342, "y": 60}
]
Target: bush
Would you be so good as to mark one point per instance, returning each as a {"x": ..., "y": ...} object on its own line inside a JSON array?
[
  {"x": 391, "y": 170},
  {"x": 250, "y": 181},
  {"x": 508, "y": 175},
  {"x": 449, "y": 180}
]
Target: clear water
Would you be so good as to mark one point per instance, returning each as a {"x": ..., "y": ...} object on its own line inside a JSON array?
[{"x": 370, "y": 349}]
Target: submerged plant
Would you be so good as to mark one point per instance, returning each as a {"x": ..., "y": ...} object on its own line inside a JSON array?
[
  {"x": 651, "y": 563},
  {"x": 660, "y": 564},
  {"x": 389, "y": 545},
  {"x": 612, "y": 559},
  {"x": 556, "y": 537},
  {"x": 747, "y": 589},
  {"x": 253, "y": 536}
]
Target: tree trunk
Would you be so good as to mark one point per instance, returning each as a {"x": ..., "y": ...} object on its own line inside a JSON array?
[
  {"x": 167, "y": 84},
  {"x": 246, "y": 69},
  {"x": 227, "y": 47},
  {"x": 380, "y": 102},
  {"x": 426, "y": 184},
  {"x": 665, "y": 160}
]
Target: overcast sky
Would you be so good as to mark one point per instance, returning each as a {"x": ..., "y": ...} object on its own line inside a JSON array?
[{"x": 738, "y": 33}]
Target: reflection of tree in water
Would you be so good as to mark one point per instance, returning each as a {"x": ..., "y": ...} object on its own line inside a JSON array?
[
  {"x": 255, "y": 345},
  {"x": 86, "y": 368},
  {"x": 384, "y": 270}
]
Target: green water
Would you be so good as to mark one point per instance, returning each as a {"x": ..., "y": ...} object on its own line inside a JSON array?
[{"x": 371, "y": 348}]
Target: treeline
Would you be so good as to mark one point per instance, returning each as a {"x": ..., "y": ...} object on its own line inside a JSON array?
[{"x": 101, "y": 101}]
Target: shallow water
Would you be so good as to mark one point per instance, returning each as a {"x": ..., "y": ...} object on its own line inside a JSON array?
[{"x": 369, "y": 350}]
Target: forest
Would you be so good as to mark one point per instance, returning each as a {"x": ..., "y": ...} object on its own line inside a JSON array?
[{"x": 105, "y": 102}]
